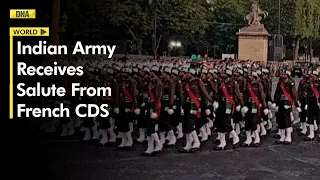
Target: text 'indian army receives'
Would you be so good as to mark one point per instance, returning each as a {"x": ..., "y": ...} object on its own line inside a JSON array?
[{"x": 43, "y": 49}]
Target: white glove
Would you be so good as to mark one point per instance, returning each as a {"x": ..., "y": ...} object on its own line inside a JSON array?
[
  {"x": 276, "y": 109},
  {"x": 215, "y": 105},
  {"x": 214, "y": 115},
  {"x": 244, "y": 109},
  {"x": 299, "y": 103},
  {"x": 286, "y": 107},
  {"x": 238, "y": 108},
  {"x": 154, "y": 115},
  {"x": 170, "y": 111},
  {"x": 299, "y": 109},
  {"x": 274, "y": 106},
  {"x": 306, "y": 107},
  {"x": 269, "y": 104},
  {"x": 208, "y": 112},
  {"x": 143, "y": 105},
  {"x": 181, "y": 112},
  {"x": 116, "y": 110},
  {"x": 270, "y": 114},
  {"x": 319, "y": 105},
  {"x": 137, "y": 111},
  {"x": 265, "y": 111}
]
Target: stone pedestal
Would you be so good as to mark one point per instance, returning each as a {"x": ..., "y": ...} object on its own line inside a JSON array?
[{"x": 253, "y": 43}]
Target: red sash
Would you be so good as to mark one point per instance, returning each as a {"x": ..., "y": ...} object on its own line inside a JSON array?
[
  {"x": 228, "y": 97},
  {"x": 127, "y": 94},
  {"x": 153, "y": 99},
  {"x": 255, "y": 99},
  {"x": 315, "y": 90},
  {"x": 194, "y": 100},
  {"x": 286, "y": 94}
]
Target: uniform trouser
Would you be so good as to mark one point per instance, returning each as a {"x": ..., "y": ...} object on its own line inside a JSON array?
[
  {"x": 104, "y": 122},
  {"x": 283, "y": 118},
  {"x": 175, "y": 119},
  {"x": 223, "y": 122},
  {"x": 88, "y": 122},
  {"x": 164, "y": 121},
  {"x": 123, "y": 121},
  {"x": 303, "y": 114},
  {"x": 237, "y": 117},
  {"x": 189, "y": 123},
  {"x": 251, "y": 121},
  {"x": 151, "y": 126},
  {"x": 142, "y": 118},
  {"x": 65, "y": 120},
  {"x": 313, "y": 113},
  {"x": 202, "y": 121}
]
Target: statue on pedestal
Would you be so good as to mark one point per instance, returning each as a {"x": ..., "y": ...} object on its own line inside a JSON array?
[{"x": 254, "y": 17}]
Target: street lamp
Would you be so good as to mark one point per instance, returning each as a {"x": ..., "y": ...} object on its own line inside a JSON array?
[{"x": 175, "y": 44}]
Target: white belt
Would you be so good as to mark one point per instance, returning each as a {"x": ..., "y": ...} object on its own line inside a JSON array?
[
  {"x": 193, "y": 112},
  {"x": 254, "y": 111}
]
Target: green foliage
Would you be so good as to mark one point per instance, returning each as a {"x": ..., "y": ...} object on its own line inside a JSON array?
[
  {"x": 211, "y": 23},
  {"x": 85, "y": 17},
  {"x": 129, "y": 14},
  {"x": 227, "y": 17}
]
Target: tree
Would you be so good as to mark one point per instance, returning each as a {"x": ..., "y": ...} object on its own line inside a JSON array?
[
  {"x": 167, "y": 18},
  {"x": 131, "y": 15},
  {"x": 227, "y": 16},
  {"x": 299, "y": 20},
  {"x": 180, "y": 18},
  {"x": 85, "y": 18}
]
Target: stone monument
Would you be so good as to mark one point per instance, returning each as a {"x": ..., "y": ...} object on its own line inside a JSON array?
[{"x": 253, "y": 39}]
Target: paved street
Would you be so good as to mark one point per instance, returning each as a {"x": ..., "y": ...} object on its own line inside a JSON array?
[{"x": 69, "y": 159}]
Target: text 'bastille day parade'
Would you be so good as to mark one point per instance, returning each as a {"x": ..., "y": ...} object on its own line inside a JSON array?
[{"x": 186, "y": 105}]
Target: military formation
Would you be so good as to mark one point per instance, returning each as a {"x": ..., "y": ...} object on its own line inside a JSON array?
[{"x": 163, "y": 103}]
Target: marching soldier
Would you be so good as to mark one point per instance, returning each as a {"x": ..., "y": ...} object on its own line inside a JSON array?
[
  {"x": 213, "y": 82},
  {"x": 302, "y": 96},
  {"x": 241, "y": 81},
  {"x": 195, "y": 93},
  {"x": 127, "y": 107},
  {"x": 89, "y": 123},
  {"x": 155, "y": 91},
  {"x": 267, "y": 87},
  {"x": 167, "y": 109},
  {"x": 285, "y": 99},
  {"x": 105, "y": 128},
  {"x": 143, "y": 94},
  {"x": 69, "y": 102},
  {"x": 229, "y": 98},
  {"x": 254, "y": 103},
  {"x": 313, "y": 105}
]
